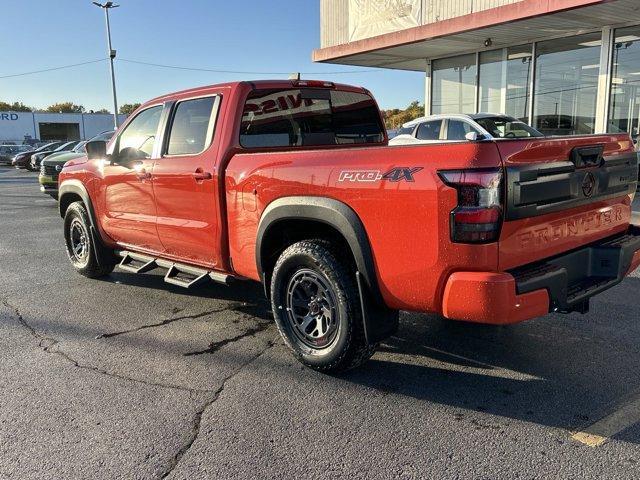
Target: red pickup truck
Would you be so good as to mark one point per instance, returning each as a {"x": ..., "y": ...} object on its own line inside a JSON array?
[{"x": 292, "y": 183}]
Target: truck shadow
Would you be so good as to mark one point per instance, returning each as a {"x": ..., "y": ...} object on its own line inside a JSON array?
[{"x": 562, "y": 371}]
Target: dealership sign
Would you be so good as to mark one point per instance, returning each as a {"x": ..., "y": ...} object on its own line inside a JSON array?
[{"x": 9, "y": 116}]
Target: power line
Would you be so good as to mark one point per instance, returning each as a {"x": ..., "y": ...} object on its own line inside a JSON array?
[
  {"x": 214, "y": 70},
  {"x": 52, "y": 69}
]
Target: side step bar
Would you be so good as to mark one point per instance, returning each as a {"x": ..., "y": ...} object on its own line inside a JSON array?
[{"x": 179, "y": 274}]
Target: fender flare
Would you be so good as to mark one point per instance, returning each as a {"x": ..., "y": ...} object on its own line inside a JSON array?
[
  {"x": 333, "y": 213},
  {"x": 76, "y": 187}
]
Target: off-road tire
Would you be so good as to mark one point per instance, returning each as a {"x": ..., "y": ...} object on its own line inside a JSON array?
[
  {"x": 349, "y": 347},
  {"x": 86, "y": 265}
]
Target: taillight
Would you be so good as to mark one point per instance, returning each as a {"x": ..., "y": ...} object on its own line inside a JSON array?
[{"x": 478, "y": 216}]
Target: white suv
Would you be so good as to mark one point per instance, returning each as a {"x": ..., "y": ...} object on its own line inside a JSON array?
[{"x": 458, "y": 127}]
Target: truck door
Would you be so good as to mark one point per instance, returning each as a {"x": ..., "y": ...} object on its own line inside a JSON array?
[
  {"x": 125, "y": 195},
  {"x": 185, "y": 184}
]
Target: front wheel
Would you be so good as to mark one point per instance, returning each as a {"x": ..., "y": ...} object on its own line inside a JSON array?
[
  {"x": 316, "y": 306},
  {"x": 80, "y": 248}
]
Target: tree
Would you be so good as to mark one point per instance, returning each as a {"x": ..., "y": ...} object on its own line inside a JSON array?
[
  {"x": 102, "y": 110},
  {"x": 65, "y": 107},
  {"x": 394, "y": 118},
  {"x": 14, "y": 107},
  {"x": 128, "y": 108}
]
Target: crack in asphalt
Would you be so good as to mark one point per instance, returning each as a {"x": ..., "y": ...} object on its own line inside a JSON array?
[
  {"x": 166, "y": 322},
  {"x": 197, "y": 419},
  {"x": 215, "y": 346},
  {"x": 46, "y": 344}
]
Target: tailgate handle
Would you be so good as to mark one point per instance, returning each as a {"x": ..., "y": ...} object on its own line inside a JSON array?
[{"x": 587, "y": 156}]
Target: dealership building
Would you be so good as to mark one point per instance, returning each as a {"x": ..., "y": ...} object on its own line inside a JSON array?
[
  {"x": 566, "y": 67},
  {"x": 17, "y": 127}
]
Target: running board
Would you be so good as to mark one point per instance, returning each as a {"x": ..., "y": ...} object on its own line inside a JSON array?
[{"x": 180, "y": 274}]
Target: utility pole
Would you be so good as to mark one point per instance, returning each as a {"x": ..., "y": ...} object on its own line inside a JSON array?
[{"x": 112, "y": 54}]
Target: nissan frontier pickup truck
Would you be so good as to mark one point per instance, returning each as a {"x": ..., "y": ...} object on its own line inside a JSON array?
[{"x": 291, "y": 183}]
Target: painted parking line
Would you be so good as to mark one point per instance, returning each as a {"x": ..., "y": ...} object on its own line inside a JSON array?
[{"x": 622, "y": 418}]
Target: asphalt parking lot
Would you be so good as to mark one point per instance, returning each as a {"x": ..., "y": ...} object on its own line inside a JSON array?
[{"x": 130, "y": 377}]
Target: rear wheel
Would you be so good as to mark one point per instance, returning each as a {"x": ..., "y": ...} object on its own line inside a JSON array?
[
  {"x": 80, "y": 248},
  {"x": 316, "y": 305}
]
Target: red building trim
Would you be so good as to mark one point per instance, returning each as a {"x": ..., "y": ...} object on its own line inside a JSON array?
[{"x": 514, "y": 12}]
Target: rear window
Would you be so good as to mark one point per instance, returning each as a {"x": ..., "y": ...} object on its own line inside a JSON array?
[{"x": 309, "y": 117}]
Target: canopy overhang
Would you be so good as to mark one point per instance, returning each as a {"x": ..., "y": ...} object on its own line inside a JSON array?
[{"x": 513, "y": 24}]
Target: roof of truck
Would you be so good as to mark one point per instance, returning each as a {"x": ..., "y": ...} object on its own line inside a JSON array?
[{"x": 258, "y": 84}]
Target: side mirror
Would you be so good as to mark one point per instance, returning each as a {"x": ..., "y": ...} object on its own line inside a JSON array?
[
  {"x": 96, "y": 150},
  {"x": 472, "y": 136}
]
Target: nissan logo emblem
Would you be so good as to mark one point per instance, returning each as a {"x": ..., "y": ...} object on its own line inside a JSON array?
[{"x": 588, "y": 184}]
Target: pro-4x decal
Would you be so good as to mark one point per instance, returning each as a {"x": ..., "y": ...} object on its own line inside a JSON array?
[{"x": 396, "y": 174}]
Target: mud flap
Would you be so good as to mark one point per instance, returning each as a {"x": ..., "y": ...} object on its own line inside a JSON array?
[
  {"x": 102, "y": 257},
  {"x": 380, "y": 322}
]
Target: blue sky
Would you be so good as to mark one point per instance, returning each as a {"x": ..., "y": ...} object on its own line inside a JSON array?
[{"x": 247, "y": 35}]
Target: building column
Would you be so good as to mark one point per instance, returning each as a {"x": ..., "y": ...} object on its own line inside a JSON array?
[
  {"x": 427, "y": 89},
  {"x": 503, "y": 81},
  {"x": 604, "y": 81}
]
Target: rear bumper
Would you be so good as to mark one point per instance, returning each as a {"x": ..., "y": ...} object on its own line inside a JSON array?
[{"x": 564, "y": 283}]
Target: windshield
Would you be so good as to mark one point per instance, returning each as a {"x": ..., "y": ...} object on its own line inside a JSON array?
[
  {"x": 48, "y": 146},
  {"x": 505, "y": 127},
  {"x": 406, "y": 130},
  {"x": 104, "y": 136},
  {"x": 79, "y": 148},
  {"x": 65, "y": 146}
]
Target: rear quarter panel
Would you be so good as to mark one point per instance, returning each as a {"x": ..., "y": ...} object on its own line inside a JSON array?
[{"x": 407, "y": 222}]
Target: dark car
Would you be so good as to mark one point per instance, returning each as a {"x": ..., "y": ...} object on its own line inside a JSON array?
[
  {"x": 23, "y": 160},
  {"x": 36, "y": 158},
  {"x": 7, "y": 152},
  {"x": 51, "y": 166}
]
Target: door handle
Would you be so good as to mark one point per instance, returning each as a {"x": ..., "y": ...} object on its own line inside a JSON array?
[{"x": 200, "y": 175}]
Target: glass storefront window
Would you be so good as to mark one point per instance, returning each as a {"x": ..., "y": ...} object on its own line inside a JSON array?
[
  {"x": 566, "y": 85},
  {"x": 624, "y": 108},
  {"x": 490, "y": 81},
  {"x": 454, "y": 85},
  {"x": 518, "y": 81}
]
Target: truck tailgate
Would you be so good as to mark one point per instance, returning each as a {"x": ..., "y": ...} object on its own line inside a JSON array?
[{"x": 564, "y": 193}]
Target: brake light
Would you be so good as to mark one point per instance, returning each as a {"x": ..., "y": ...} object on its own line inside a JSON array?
[
  {"x": 478, "y": 216},
  {"x": 313, "y": 83}
]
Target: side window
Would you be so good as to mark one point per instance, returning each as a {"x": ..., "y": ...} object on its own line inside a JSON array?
[
  {"x": 457, "y": 129},
  {"x": 139, "y": 137},
  {"x": 190, "y": 133},
  {"x": 429, "y": 130}
]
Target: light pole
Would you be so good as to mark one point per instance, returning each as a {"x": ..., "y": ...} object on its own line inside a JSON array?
[{"x": 112, "y": 54}]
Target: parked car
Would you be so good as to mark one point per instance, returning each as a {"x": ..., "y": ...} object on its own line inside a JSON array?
[
  {"x": 51, "y": 166},
  {"x": 291, "y": 183},
  {"x": 23, "y": 160},
  {"x": 37, "y": 158},
  {"x": 7, "y": 152},
  {"x": 458, "y": 127}
]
